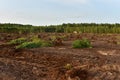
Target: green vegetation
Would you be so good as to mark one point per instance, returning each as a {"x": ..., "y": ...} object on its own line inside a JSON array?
[
  {"x": 44, "y": 43},
  {"x": 53, "y": 38},
  {"x": 29, "y": 45},
  {"x": 18, "y": 41},
  {"x": 84, "y": 43},
  {"x": 66, "y": 28},
  {"x": 68, "y": 66},
  {"x": 47, "y": 44},
  {"x": 34, "y": 42}
]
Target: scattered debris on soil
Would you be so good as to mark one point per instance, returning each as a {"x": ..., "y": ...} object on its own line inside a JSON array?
[{"x": 102, "y": 62}]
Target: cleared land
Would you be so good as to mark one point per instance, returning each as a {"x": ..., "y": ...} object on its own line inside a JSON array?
[{"x": 102, "y": 62}]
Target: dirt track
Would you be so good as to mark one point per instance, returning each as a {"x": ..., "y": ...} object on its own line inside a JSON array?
[{"x": 102, "y": 62}]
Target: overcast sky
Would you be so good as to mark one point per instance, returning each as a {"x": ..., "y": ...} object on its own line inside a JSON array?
[{"x": 46, "y": 12}]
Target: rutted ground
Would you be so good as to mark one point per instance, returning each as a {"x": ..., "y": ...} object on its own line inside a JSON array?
[{"x": 101, "y": 62}]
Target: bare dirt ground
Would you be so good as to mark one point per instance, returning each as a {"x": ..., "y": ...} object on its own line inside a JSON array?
[{"x": 102, "y": 62}]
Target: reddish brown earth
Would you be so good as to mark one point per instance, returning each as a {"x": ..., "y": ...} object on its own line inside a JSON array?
[{"x": 102, "y": 62}]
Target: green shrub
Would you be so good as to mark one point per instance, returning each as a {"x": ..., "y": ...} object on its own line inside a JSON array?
[
  {"x": 36, "y": 43},
  {"x": 34, "y": 38},
  {"x": 84, "y": 43},
  {"x": 44, "y": 43},
  {"x": 18, "y": 41},
  {"x": 33, "y": 42},
  {"x": 47, "y": 44},
  {"x": 30, "y": 45}
]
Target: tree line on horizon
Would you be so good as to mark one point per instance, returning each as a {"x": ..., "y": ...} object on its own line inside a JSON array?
[{"x": 64, "y": 28}]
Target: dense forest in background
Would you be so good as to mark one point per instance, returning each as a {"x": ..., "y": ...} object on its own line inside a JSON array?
[{"x": 64, "y": 28}]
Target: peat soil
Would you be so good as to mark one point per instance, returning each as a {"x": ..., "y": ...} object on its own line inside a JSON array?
[{"x": 102, "y": 62}]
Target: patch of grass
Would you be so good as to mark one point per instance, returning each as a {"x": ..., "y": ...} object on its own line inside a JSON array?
[
  {"x": 44, "y": 43},
  {"x": 35, "y": 43},
  {"x": 30, "y": 45},
  {"x": 18, "y": 41},
  {"x": 34, "y": 38},
  {"x": 84, "y": 43},
  {"x": 47, "y": 44}
]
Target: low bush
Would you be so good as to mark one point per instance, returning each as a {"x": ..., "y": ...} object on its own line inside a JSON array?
[
  {"x": 29, "y": 45},
  {"x": 18, "y": 41},
  {"x": 33, "y": 42},
  {"x": 84, "y": 43},
  {"x": 34, "y": 38},
  {"x": 47, "y": 44},
  {"x": 36, "y": 43}
]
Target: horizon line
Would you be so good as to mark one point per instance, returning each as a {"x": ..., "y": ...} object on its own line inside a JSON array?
[{"x": 58, "y": 24}]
